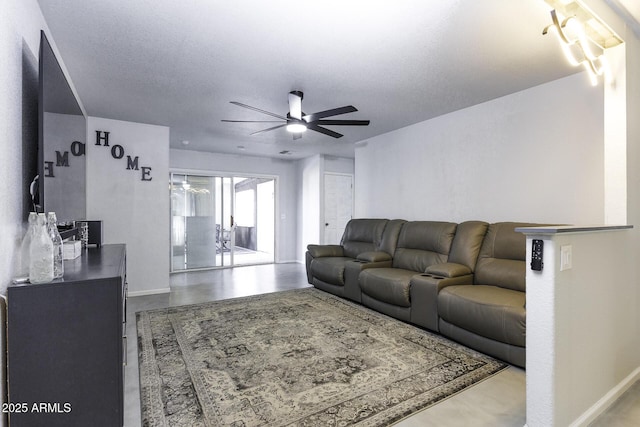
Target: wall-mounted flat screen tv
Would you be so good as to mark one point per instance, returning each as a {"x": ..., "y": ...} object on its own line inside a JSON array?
[{"x": 61, "y": 145}]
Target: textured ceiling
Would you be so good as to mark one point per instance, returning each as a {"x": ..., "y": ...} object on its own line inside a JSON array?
[{"x": 179, "y": 63}]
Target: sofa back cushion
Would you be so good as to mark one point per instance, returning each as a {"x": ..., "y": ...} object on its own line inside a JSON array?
[
  {"x": 390, "y": 236},
  {"x": 423, "y": 243},
  {"x": 362, "y": 235},
  {"x": 467, "y": 243},
  {"x": 502, "y": 257}
]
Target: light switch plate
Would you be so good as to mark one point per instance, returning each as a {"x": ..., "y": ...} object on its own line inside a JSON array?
[{"x": 565, "y": 257}]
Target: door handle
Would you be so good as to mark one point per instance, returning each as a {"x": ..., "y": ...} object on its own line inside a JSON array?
[
  {"x": 326, "y": 224},
  {"x": 231, "y": 220}
]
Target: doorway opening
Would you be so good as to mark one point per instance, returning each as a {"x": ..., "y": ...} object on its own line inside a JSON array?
[{"x": 221, "y": 221}]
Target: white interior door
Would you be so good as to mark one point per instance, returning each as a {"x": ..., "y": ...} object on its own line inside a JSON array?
[{"x": 338, "y": 206}]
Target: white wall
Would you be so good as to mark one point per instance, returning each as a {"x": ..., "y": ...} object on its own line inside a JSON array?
[
  {"x": 20, "y": 25},
  {"x": 629, "y": 314},
  {"x": 134, "y": 211},
  {"x": 536, "y": 155},
  {"x": 339, "y": 165},
  {"x": 632, "y": 107},
  {"x": 615, "y": 138},
  {"x": 286, "y": 193},
  {"x": 310, "y": 173},
  {"x": 633, "y": 178}
]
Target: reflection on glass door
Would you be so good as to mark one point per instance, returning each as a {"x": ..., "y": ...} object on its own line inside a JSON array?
[
  {"x": 254, "y": 220},
  {"x": 221, "y": 221}
]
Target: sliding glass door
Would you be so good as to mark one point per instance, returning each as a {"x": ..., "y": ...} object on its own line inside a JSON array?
[{"x": 221, "y": 221}]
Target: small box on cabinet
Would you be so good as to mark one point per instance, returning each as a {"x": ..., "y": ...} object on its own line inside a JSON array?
[{"x": 72, "y": 249}]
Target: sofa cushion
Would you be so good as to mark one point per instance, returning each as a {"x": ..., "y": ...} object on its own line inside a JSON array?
[
  {"x": 362, "y": 235},
  {"x": 488, "y": 311},
  {"x": 467, "y": 243},
  {"x": 390, "y": 285},
  {"x": 330, "y": 269},
  {"x": 502, "y": 257},
  {"x": 423, "y": 243},
  {"x": 390, "y": 236},
  {"x": 505, "y": 273}
]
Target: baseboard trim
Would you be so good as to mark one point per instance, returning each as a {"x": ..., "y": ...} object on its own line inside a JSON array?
[
  {"x": 607, "y": 400},
  {"x": 149, "y": 292},
  {"x": 291, "y": 261}
]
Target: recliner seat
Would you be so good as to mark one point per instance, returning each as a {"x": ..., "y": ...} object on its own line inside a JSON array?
[
  {"x": 490, "y": 315},
  {"x": 420, "y": 245},
  {"x": 366, "y": 243}
]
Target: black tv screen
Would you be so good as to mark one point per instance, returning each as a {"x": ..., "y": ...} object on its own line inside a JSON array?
[{"x": 61, "y": 144}]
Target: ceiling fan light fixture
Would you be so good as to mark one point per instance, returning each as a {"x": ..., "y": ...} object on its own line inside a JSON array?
[{"x": 296, "y": 128}]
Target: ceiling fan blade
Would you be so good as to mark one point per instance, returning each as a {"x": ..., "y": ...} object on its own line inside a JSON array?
[
  {"x": 267, "y": 130},
  {"x": 295, "y": 104},
  {"x": 239, "y": 104},
  {"x": 297, "y": 136},
  {"x": 333, "y": 112},
  {"x": 325, "y": 131},
  {"x": 343, "y": 122},
  {"x": 251, "y": 121}
]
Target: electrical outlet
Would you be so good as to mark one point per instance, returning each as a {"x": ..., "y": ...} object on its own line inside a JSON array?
[{"x": 565, "y": 257}]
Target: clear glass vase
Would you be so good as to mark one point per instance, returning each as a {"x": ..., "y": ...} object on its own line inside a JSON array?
[
  {"x": 58, "y": 249},
  {"x": 25, "y": 247},
  {"x": 41, "y": 253}
]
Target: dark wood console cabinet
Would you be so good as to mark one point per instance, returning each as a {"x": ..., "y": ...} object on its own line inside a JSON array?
[{"x": 67, "y": 344}]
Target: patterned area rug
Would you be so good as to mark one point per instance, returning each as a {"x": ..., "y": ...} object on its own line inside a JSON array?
[{"x": 293, "y": 358}]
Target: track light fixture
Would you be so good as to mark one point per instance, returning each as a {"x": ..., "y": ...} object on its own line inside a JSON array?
[{"x": 582, "y": 36}]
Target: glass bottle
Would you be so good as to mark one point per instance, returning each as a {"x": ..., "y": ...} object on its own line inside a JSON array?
[
  {"x": 41, "y": 253},
  {"x": 58, "y": 248},
  {"x": 25, "y": 247}
]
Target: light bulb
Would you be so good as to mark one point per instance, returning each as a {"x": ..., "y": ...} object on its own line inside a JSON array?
[{"x": 296, "y": 128}]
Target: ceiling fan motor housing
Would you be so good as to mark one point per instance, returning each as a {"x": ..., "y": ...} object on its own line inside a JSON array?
[{"x": 297, "y": 93}]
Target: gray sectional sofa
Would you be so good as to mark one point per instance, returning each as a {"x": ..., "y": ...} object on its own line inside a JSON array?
[{"x": 465, "y": 281}]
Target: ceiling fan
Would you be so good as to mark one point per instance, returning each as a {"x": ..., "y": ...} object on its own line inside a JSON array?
[{"x": 298, "y": 122}]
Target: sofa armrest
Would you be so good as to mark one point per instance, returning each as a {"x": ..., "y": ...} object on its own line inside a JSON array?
[
  {"x": 424, "y": 296},
  {"x": 319, "y": 251},
  {"x": 448, "y": 270},
  {"x": 374, "y": 256}
]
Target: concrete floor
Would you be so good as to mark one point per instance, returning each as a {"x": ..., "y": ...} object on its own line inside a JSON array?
[{"x": 497, "y": 401}]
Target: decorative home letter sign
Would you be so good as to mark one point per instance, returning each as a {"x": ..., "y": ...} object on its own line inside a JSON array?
[
  {"x": 117, "y": 152},
  {"x": 62, "y": 159},
  {"x": 77, "y": 148}
]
